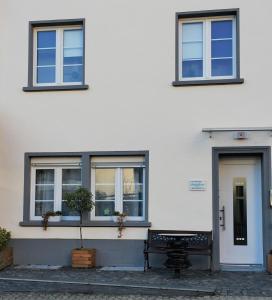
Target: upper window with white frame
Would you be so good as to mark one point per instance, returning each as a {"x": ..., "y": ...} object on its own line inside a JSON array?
[
  {"x": 56, "y": 55},
  {"x": 118, "y": 185},
  {"x": 207, "y": 47}
]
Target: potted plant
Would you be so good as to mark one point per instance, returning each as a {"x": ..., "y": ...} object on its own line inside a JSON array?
[
  {"x": 120, "y": 219},
  {"x": 269, "y": 262},
  {"x": 6, "y": 253},
  {"x": 81, "y": 202},
  {"x": 50, "y": 214}
]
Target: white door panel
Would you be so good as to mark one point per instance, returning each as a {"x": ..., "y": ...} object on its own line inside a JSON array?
[{"x": 240, "y": 195}]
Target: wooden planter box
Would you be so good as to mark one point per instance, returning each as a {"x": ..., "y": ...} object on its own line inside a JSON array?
[
  {"x": 269, "y": 263},
  {"x": 6, "y": 258},
  {"x": 83, "y": 258}
]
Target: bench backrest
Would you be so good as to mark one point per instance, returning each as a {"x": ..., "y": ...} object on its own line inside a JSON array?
[{"x": 202, "y": 239}]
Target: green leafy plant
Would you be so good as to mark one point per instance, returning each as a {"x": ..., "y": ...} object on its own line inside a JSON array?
[
  {"x": 121, "y": 222},
  {"x": 4, "y": 238},
  {"x": 81, "y": 202},
  {"x": 46, "y": 217}
]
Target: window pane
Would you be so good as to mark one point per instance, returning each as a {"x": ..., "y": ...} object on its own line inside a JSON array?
[
  {"x": 104, "y": 208},
  {"x": 133, "y": 184},
  {"x": 72, "y": 73},
  {"x": 44, "y": 192},
  {"x": 46, "y": 57},
  {"x": 222, "y": 48},
  {"x": 105, "y": 192},
  {"x": 46, "y": 39},
  {"x": 222, "y": 67},
  {"x": 221, "y": 29},
  {"x": 71, "y": 176},
  {"x": 192, "y": 32},
  {"x": 132, "y": 192},
  {"x": 45, "y": 176},
  {"x": 73, "y": 38},
  {"x": 45, "y": 74},
  {"x": 69, "y": 189},
  {"x": 134, "y": 209},
  {"x": 73, "y": 56},
  {"x": 192, "y": 68},
  {"x": 67, "y": 211},
  {"x": 105, "y": 176},
  {"x": 43, "y": 207},
  {"x": 192, "y": 51}
]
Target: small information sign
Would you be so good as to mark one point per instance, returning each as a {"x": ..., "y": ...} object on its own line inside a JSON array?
[{"x": 197, "y": 185}]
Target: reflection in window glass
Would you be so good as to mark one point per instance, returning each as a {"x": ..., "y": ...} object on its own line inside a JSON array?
[
  {"x": 71, "y": 181},
  {"x": 44, "y": 191},
  {"x": 222, "y": 48},
  {"x": 133, "y": 191},
  {"x": 105, "y": 192},
  {"x": 73, "y": 55},
  {"x": 192, "y": 50},
  {"x": 46, "y": 56}
]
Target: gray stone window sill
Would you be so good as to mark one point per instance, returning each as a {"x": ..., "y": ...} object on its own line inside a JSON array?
[
  {"x": 208, "y": 82},
  {"x": 86, "y": 224},
  {"x": 55, "y": 88}
]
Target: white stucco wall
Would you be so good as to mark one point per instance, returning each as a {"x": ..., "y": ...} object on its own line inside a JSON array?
[{"x": 130, "y": 105}]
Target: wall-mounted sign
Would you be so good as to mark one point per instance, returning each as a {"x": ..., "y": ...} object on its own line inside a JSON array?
[{"x": 197, "y": 185}]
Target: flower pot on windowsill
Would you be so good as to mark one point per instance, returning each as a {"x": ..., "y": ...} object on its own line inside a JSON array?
[
  {"x": 83, "y": 258},
  {"x": 269, "y": 262},
  {"x": 6, "y": 257}
]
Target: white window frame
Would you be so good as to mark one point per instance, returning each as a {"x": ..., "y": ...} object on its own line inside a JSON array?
[
  {"x": 59, "y": 54},
  {"x": 118, "y": 204},
  {"x": 57, "y": 191},
  {"x": 207, "y": 47}
]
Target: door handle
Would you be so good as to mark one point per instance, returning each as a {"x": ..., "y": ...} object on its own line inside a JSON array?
[{"x": 222, "y": 218}]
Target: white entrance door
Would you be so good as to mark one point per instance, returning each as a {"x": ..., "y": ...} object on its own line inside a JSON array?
[{"x": 240, "y": 204}]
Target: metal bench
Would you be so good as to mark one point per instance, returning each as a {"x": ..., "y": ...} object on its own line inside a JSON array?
[{"x": 158, "y": 243}]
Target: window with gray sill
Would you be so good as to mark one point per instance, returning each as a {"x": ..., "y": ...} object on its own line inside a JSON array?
[
  {"x": 56, "y": 55},
  {"x": 118, "y": 181},
  {"x": 207, "y": 47}
]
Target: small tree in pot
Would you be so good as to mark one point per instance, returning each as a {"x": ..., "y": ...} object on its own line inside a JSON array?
[{"x": 81, "y": 202}]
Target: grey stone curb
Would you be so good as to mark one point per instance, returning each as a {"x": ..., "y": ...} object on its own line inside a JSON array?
[{"x": 107, "y": 288}]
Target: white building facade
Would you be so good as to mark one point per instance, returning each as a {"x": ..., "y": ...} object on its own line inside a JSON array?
[{"x": 160, "y": 108}]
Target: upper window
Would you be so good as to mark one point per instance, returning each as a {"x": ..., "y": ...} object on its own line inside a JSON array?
[
  {"x": 58, "y": 56},
  {"x": 207, "y": 47}
]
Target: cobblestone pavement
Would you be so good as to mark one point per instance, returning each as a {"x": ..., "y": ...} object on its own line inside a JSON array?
[
  {"x": 67, "y": 296},
  {"x": 154, "y": 283}
]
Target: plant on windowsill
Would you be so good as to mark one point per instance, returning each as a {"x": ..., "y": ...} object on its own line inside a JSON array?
[
  {"x": 81, "y": 202},
  {"x": 47, "y": 215},
  {"x": 120, "y": 219},
  {"x": 6, "y": 253},
  {"x": 269, "y": 262}
]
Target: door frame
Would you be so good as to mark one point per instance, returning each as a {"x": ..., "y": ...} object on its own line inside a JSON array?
[{"x": 265, "y": 154}]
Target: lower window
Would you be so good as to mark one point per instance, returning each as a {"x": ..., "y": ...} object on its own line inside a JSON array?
[
  {"x": 118, "y": 187},
  {"x": 49, "y": 182}
]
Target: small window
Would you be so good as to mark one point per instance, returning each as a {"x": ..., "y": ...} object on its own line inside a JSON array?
[
  {"x": 58, "y": 56},
  {"x": 118, "y": 186},
  {"x": 49, "y": 182},
  {"x": 207, "y": 47}
]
